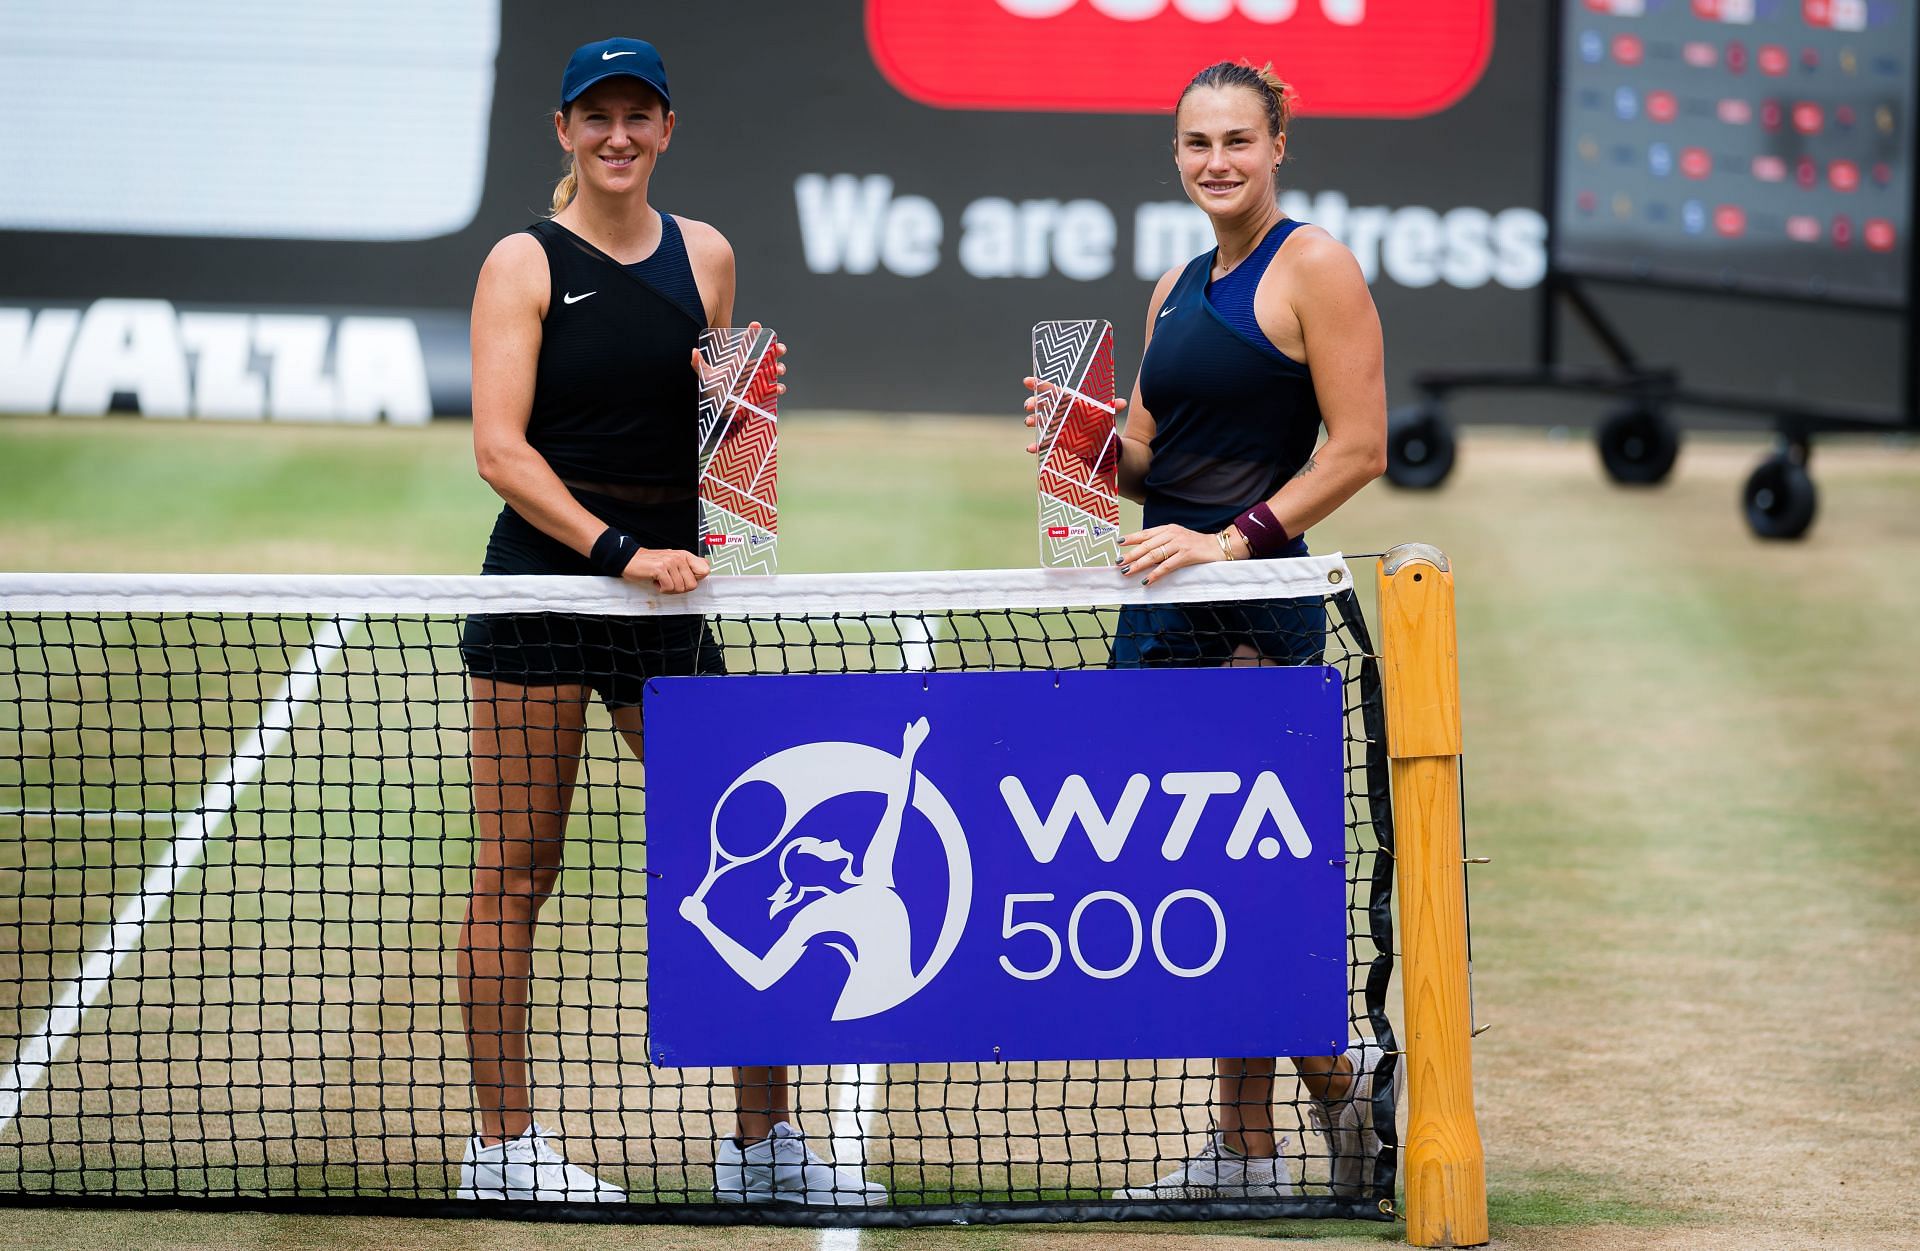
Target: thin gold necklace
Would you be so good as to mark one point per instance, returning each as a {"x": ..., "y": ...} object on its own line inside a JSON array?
[{"x": 1250, "y": 251}]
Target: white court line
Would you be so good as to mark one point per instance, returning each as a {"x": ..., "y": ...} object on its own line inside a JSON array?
[
  {"x": 88, "y": 814},
  {"x": 855, "y": 1089},
  {"x": 37, "y": 1050},
  {"x": 856, "y": 1102},
  {"x": 916, "y": 644}
]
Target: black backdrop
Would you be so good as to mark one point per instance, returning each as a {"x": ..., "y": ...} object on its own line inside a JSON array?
[{"x": 770, "y": 93}]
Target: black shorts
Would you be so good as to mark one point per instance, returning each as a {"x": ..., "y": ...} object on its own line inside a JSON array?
[{"x": 613, "y": 655}]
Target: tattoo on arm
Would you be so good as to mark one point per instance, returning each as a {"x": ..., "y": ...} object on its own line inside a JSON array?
[{"x": 1307, "y": 468}]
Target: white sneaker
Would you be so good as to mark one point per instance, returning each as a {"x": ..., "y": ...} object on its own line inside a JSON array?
[
  {"x": 1346, "y": 1124},
  {"x": 1219, "y": 1172},
  {"x": 781, "y": 1168},
  {"x": 528, "y": 1167}
]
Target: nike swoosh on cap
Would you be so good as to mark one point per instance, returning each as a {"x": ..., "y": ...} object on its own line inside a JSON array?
[
  {"x": 571, "y": 298},
  {"x": 608, "y": 56}
]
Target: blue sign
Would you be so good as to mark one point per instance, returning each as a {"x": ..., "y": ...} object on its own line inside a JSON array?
[{"x": 996, "y": 866}]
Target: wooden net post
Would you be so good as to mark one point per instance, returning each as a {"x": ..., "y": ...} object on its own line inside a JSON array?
[{"x": 1442, "y": 1161}]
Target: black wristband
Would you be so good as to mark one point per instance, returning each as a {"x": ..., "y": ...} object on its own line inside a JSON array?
[{"x": 611, "y": 552}]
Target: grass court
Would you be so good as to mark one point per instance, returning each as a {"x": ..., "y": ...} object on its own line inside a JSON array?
[{"x": 1688, "y": 754}]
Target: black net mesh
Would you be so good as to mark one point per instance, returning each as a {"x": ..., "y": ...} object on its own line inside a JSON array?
[{"x": 238, "y": 852}]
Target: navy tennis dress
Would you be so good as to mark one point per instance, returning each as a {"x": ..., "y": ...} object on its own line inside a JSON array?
[
  {"x": 1234, "y": 419},
  {"x": 615, "y": 404}
]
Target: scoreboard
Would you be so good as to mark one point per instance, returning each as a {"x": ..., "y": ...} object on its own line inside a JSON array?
[{"x": 1759, "y": 146}]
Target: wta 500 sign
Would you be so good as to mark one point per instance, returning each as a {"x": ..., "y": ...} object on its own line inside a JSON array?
[
  {"x": 1351, "y": 58},
  {"x": 995, "y": 866}
]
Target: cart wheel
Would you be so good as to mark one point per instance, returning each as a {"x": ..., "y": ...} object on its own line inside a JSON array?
[
  {"x": 1638, "y": 446},
  {"x": 1419, "y": 448},
  {"x": 1780, "y": 499}
]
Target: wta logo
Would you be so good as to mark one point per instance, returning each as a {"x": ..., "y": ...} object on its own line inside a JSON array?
[
  {"x": 1345, "y": 58},
  {"x": 838, "y": 893}
]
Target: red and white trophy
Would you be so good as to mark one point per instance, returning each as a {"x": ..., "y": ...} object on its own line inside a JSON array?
[
  {"x": 1079, "y": 447},
  {"x": 739, "y": 450}
]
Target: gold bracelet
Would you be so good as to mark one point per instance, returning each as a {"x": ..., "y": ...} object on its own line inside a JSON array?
[{"x": 1226, "y": 552}]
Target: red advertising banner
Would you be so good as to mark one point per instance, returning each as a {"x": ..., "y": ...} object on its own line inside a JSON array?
[{"x": 1346, "y": 58}]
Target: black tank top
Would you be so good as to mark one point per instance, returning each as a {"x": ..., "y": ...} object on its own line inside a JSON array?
[
  {"x": 614, "y": 395},
  {"x": 1233, "y": 418},
  {"x": 669, "y": 272}
]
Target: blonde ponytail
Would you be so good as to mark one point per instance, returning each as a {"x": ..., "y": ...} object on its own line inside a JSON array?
[{"x": 564, "y": 190}]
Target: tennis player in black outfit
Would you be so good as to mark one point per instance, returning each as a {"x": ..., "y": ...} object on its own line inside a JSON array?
[
  {"x": 586, "y": 334},
  {"x": 1252, "y": 348}
]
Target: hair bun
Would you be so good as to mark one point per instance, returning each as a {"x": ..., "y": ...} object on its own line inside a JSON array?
[{"x": 1275, "y": 92}]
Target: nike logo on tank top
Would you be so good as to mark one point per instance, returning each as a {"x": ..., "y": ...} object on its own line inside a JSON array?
[
  {"x": 614, "y": 394},
  {"x": 1233, "y": 417}
]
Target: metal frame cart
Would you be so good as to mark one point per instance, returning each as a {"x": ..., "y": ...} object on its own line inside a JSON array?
[{"x": 1639, "y": 440}]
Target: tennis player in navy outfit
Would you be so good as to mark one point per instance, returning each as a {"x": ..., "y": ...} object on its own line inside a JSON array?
[
  {"x": 1252, "y": 348},
  {"x": 586, "y": 332}
]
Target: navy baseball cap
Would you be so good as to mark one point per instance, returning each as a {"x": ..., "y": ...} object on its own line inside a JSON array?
[{"x": 613, "y": 58}]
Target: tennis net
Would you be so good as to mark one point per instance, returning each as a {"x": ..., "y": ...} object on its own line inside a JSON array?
[{"x": 238, "y": 832}]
